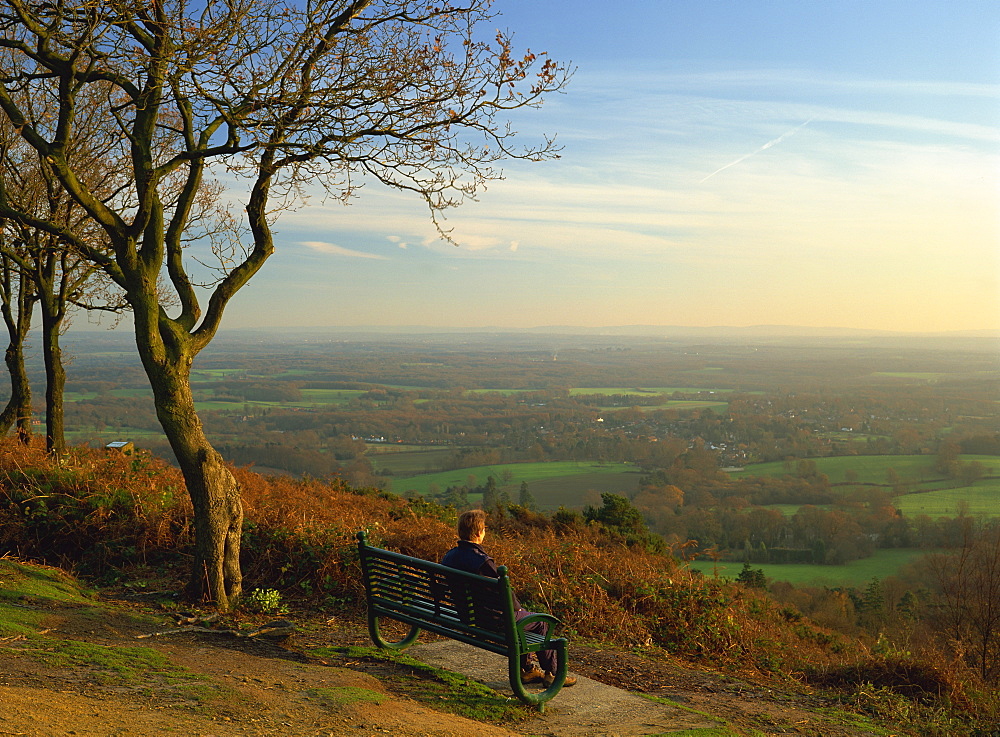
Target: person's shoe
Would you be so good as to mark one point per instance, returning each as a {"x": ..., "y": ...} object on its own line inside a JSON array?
[
  {"x": 549, "y": 678},
  {"x": 532, "y": 675}
]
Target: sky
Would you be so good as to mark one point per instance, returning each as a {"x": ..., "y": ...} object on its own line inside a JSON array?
[{"x": 724, "y": 163}]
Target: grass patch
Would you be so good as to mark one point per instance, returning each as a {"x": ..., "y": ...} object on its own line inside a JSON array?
[
  {"x": 23, "y": 585},
  {"x": 788, "y": 510},
  {"x": 20, "y": 580},
  {"x": 437, "y": 688},
  {"x": 29, "y": 593},
  {"x": 721, "y": 731},
  {"x": 116, "y": 664},
  {"x": 334, "y": 698},
  {"x": 16, "y": 619},
  {"x": 142, "y": 669},
  {"x": 710, "y": 732}
]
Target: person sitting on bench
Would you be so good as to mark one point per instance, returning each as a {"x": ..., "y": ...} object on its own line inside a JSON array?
[{"x": 469, "y": 555}]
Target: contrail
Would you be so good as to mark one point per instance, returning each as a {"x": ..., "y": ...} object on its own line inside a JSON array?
[{"x": 766, "y": 146}]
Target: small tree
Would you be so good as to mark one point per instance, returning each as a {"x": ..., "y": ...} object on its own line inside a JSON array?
[
  {"x": 752, "y": 577},
  {"x": 281, "y": 95},
  {"x": 617, "y": 515},
  {"x": 491, "y": 496},
  {"x": 525, "y": 497},
  {"x": 870, "y": 606}
]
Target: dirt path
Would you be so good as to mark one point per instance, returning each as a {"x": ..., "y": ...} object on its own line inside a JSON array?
[{"x": 588, "y": 708}]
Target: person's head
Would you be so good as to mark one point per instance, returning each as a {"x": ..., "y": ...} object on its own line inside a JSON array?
[{"x": 472, "y": 525}]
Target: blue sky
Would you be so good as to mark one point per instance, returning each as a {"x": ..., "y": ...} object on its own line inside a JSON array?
[{"x": 824, "y": 164}]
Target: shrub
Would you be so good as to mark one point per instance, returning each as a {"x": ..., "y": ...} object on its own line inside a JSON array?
[
  {"x": 263, "y": 601},
  {"x": 94, "y": 510}
]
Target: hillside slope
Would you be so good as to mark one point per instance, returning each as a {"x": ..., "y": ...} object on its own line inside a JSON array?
[{"x": 75, "y": 662}]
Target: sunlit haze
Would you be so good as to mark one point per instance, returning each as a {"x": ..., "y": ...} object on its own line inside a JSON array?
[{"x": 724, "y": 163}]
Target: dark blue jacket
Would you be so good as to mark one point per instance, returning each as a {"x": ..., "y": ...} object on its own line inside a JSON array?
[{"x": 470, "y": 557}]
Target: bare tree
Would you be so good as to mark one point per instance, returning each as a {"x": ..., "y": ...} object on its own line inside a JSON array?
[
  {"x": 279, "y": 95},
  {"x": 967, "y": 583}
]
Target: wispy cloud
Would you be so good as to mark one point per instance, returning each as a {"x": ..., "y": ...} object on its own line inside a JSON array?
[
  {"x": 335, "y": 250},
  {"x": 769, "y": 144}
]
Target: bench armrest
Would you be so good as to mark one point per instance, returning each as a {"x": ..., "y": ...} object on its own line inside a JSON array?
[{"x": 552, "y": 622}]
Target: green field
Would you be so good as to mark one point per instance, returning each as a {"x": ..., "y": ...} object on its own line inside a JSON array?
[
  {"x": 328, "y": 396},
  {"x": 215, "y": 374},
  {"x": 930, "y": 494},
  {"x": 121, "y": 393},
  {"x": 553, "y": 484},
  {"x": 718, "y": 407},
  {"x": 379, "y": 449},
  {"x": 581, "y": 490},
  {"x": 982, "y": 498},
  {"x": 504, "y": 392},
  {"x": 310, "y": 398},
  {"x": 869, "y": 469},
  {"x": 610, "y": 391},
  {"x": 407, "y": 460},
  {"x": 857, "y": 573},
  {"x": 118, "y": 433}
]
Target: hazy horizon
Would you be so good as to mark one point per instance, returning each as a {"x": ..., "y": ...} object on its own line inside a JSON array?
[{"x": 637, "y": 331}]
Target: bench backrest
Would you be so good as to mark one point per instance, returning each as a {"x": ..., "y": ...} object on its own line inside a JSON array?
[{"x": 436, "y": 595}]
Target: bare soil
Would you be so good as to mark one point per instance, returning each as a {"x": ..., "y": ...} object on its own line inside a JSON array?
[{"x": 220, "y": 685}]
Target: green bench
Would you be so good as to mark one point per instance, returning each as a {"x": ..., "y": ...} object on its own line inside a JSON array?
[{"x": 473, "y": 609}]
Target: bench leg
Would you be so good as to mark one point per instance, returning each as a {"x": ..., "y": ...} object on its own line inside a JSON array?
[
  {"x": 376, "y": 635},
  {"x": 537, "y": 699}
]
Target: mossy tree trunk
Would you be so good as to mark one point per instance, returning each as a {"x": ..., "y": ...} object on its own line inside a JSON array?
[
  {"x": 53, "y": 310},
  {"x": 18, "y": 299},
  {"x": 55, "y": 384},
  {"x": 215, "y": 495}
]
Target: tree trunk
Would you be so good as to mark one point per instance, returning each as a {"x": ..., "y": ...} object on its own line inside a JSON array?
[
  {"x": 17, "y": 316},
  {"x": 18, "y": 410},
  {"x": 215, "y": 495},
  {"x": 55, "y": 383}
]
